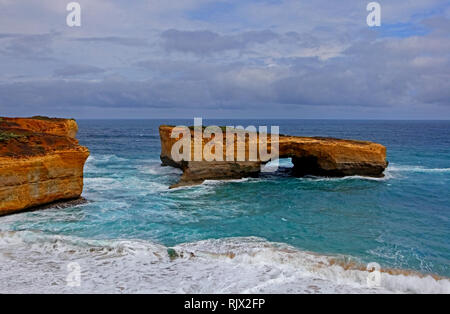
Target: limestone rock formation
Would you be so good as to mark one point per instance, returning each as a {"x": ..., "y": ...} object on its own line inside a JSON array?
[
  {"x": 39, "y": 124},
  {"x": 315, "y": 156},
  {"x": 40, "y": 162}
]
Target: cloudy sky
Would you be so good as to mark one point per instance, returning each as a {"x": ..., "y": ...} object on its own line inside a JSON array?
[{"x": 225, "y": 59}]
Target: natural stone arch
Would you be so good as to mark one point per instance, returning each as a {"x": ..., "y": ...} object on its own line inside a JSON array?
[{"x": 310, "y": 156}]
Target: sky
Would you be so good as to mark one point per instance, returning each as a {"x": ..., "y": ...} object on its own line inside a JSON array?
[{"x": 225, "y": 59}]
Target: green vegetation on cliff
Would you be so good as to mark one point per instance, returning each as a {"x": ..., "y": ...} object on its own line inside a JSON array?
[
  {"x": 8, "y": 135},
  {"x": 44, "y": 118}
]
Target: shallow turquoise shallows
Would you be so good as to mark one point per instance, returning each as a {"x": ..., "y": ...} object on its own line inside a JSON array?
[{"x": 400, "y": 221}]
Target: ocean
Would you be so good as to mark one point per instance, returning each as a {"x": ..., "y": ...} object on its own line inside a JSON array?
[{"x": 272, "y": 234}]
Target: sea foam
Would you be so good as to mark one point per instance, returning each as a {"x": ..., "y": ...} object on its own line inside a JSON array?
[
  {"x": 410, "y": 168},
  {"x": 37, "y": 262}
]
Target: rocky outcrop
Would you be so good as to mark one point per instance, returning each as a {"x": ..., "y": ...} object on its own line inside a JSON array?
[
  {"x": 315, "y": 156},
  {"x": 38, "y": 124},
  {"x": 40, "y": 162}
]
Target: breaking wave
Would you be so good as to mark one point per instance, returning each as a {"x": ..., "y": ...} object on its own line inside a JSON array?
[
  {"x": 406, "y": 168},
  {"x": 36, "y": 262}
]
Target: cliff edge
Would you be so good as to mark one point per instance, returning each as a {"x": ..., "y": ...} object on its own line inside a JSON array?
[{"x": 40, "y": 162}]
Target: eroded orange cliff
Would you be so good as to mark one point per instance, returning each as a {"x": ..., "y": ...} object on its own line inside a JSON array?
[
  {"x": 40, "y": 162},
  {"x": 315, "y": 156}
]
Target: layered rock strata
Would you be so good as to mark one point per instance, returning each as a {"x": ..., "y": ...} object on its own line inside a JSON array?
[
  {"x": 41, "y": 162},
  {"x": 315, "y": 156}
]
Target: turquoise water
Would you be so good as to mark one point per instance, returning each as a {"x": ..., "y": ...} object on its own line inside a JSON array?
[{"x": 400, "y": 221}]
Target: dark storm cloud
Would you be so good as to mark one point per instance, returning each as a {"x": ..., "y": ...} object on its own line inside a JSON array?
[{"x": 105, "y": 93}]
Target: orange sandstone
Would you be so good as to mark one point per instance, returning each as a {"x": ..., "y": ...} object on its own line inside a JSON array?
[
  {"x": 40, "y": 162},
  {"x": 315, "y": 156}
]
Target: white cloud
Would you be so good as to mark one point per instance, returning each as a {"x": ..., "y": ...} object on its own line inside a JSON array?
[{"x": 287, "y": 54}]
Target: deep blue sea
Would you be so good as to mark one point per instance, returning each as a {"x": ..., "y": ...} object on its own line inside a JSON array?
[{"x": 269, "y": 234}]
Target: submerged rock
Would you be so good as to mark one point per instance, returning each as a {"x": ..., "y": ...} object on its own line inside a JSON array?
[
  {"x": 316, "y": 156},
  {"x": 41, "y": 162},
  {"x": 172, "y": 254}
]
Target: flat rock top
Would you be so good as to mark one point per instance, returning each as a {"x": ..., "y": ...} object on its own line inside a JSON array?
[
  {"x": 283, "y": 137},
  {"x": 28, "y": 137},
  {"x": 323, "y": 148},
  {"x": 290, "y": 139},
  {"x": 38, "y": 124}
]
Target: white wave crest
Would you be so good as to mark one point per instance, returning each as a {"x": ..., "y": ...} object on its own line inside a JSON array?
[
  {"x": 35, "y": 262},
  {"x": 387, "y": 176},
  {"x": 157, "y": 169},
  {"x": 105, "y": 158},
  {"x": 408, "y": 168}
]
